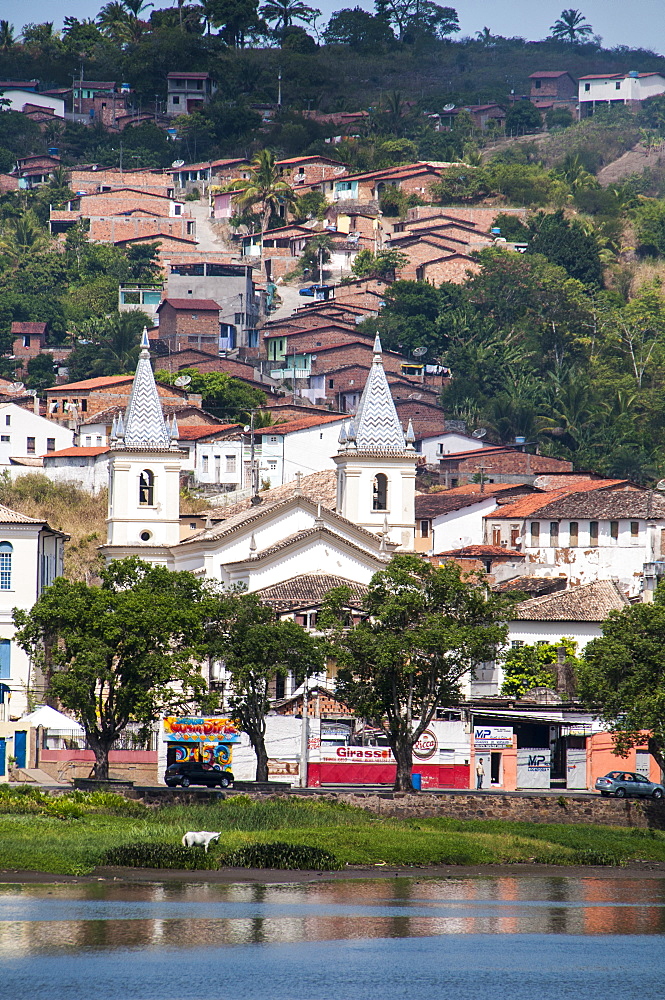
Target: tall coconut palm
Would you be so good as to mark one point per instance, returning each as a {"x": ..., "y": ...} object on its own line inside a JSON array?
[
  {"x": 23, "y": 237},
  {"x": 571, "y": 26},
  {"x": 6, "y": 36},
  {"x": 265, "y": 188},
  {"x": 282, "y": 13}
]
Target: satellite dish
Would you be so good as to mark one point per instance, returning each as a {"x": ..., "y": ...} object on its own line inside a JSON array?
[
  {"x": 16, "y": 387},
  {"x": 660, "y": 485},
  {"x": 182, "y": 381},
  {"x": 448, "y": 107},
  {"x": 479, "y": 432},
  {"x": 419, "y": 352},
  {"x": 178, "y": 163}
]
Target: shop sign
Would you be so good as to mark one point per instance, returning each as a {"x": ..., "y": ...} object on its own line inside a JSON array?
[
  {"x": 358, "y": 755},
  {"x": 195, "y": 729},
  {"x": 493, "y": 737},
  {"x": 426, "y": 746}
]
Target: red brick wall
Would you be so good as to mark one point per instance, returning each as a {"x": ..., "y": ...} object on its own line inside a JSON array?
[
  {"x": 116, "y": 202},
  {"x": 456, "y": 270},
  {"x": 353, "y": 354},
  {"x": 116, "y": 395},
  {"x": 93, "y": 180},
  {"x": 178, "y": 325},
  {"x": 114, "y": 229}
]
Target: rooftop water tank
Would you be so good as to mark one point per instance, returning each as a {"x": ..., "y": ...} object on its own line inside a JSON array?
[{"x": 634, "y": 74}]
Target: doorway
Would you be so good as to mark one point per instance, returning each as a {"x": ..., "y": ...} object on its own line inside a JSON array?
[{"x": 495, "y": 768}]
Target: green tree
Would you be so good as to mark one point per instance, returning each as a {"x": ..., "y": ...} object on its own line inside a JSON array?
[
  {"x": 358, "y": 29},
  {"x": 223, "y": 395},
  {"x": 382, "y": 264},
  {"x": 523, "y": 117},
  {"x": 40, "y": 372},
  {"x": 418, "y": 17},
  {"x": 424, "y": 628},
  {"x": 265, "y": 188},
  {"x": 571, "y": 26},
  {"x": 282, "y": 13},
  {"x": 121, "y": 652},
  {"x": 530, "y": 666},
  {"x": 114, "y": 349},
  {"x": 650, "y": 227},
  {"x": 565, "y": 243},
  {"x": 622, "y": 676},
  {"x": 256, "y": 648},
  {"x": 7, "y": 39}
]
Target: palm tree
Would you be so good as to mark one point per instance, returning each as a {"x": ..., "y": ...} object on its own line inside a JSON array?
[
  {"x": 571, "y": 26},
  {"x": 23, "y": 237},
  {"x": 113, "y": 20},
  {"x": 284, "y": 12},
  {"x": 6, "y": 36},
  {"x": 209, "y": 14},
  {"x": 264, "y": 188},
  {"x": 485, "y": 37},
  {"x": 135, "y": 7}
]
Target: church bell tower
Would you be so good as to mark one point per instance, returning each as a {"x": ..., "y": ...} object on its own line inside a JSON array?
[{"x": 376, "y": 464}]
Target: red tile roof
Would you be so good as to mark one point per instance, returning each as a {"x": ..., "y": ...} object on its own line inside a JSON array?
[
  {"x": 301, "y": 424},
  {"x": 526, "y": 506},
  {"x": 196, "y": 431},
  {"x": 203, "y": 305},
  {"x": 21, "y": 327},
  {"x": 93, "y": 383},
  {"x": 77, "y": 452},
  {"x": 483, "y": 551},
  {"x": 487, "y": 488},
  {"x": 550, "y": 74}
]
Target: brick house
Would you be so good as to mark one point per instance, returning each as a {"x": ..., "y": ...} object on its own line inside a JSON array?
[
  {"x": 280, "y": 344},
  {"x": 30, "y": 340},
  {"x": 410, "y": 178},
  {"x": 187, "y": 92},
  {"x": 554, "y": 85},
  {"x": 189, "y": 322},
  {"x": 73, "y": 401},
  {"x": 211, "y": 172},
  {"x": 93, "y": 180},
  {"x": 501, "y": 464},
  {"x": 33, "y": 171},
  {"x": 304, "y": 171}
]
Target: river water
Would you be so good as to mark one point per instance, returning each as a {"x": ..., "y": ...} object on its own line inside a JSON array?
[{"x": 518, "y": 938}]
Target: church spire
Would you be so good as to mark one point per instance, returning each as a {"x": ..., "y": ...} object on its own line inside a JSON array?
[
  {"x": 377, "y": 426},
  {"x": 144, "y": 424}
]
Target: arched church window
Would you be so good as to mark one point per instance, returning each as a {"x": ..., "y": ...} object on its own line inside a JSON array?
[
  {"x": 146, "y": 488},
  {"x": 380, "y": 492},
  {"x": 6, "y": 550}
]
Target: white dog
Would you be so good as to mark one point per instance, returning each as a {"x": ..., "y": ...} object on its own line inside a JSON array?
[{"x": 202, "y": 838}]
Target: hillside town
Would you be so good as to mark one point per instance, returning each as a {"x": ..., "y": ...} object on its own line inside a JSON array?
[{"x": 422, "y": 335}]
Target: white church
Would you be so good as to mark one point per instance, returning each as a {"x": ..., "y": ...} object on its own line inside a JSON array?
[{"x": 312, "y": 527}]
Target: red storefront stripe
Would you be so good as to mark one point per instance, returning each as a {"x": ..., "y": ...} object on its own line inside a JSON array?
[{"x": 433, "y": 775}]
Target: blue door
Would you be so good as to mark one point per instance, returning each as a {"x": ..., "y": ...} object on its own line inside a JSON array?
[
  {"x": 20, "y": 748},
  {"x": 3, "y": 745}
]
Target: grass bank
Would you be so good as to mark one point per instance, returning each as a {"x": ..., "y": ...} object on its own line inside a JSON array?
[{"x": 70, "y": 834}]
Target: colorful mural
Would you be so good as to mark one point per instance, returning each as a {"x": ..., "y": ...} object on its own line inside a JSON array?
[{"x": 208, "y": 740}]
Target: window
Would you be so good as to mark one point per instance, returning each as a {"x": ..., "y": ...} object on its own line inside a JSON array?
[
  {"x": 496, "y": 534},
  {"x": 617, "y": 86},
  {"x": 614, "y": 530},
  {"x": 145, "y": 536},
  {"x": 593, "y": 532},
  {"x": 5, "y": 659},
  {"x": 331, "y": 383},
  {"x": 516, "y": 643},
  {"x": 146, "y": 488},
  {"x": 272, "y": 466},
  {"x": 176, "y": 100},
  {"x": 539, "y": 84},
  {"x": 26, "y": 340},
  {"x": 8, "y": 420},
  {"x": 514, "y": 536},
  {"x": 424, "y": 529},
  {"x": 5, "y": 438},
  {"x": 5, "y": 566},
  {"x": 587, "y": 88},
  {"x": 204, "y": 463},
  {"x": 535, "y": 532},
  {"x": 554, "y": 534},
  {"x": 88, "y": 440},
  {"x": 573, "y": 533},
  {"x": 273, "y": 439},
  {"x": 177, "y": 209},
  {"x": 380, "y": 492},
  {"x": 31, "y": 446},
  {"x": 230, "y": 463},
  {"x": 634, "y": 529},
  {"x": 50, "y": 444},
  {"x": 84, "y": 406}
]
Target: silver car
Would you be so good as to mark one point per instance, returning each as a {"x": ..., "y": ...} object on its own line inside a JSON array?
[{"x": 624, "y": 783}]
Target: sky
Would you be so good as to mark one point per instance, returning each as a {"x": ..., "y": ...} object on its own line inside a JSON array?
[{"x": 640, "y": 23}]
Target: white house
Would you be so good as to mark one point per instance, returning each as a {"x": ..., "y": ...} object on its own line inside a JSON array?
[
  {"x": 600, "y": 534},
  {"x": 25, "y": 434},
  {"x": 31, "y": 556},
  {"x": 87, "y": 467},
  {"x": 19, "y": 99},
  {"x": 304, "y": 445},
  {"x": 577, "y": 613},
  {"x": 617, "y": 88}
]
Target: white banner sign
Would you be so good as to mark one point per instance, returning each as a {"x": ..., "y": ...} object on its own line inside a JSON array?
[
  {"x": 533, "y": 768},
  {"x": 492, "y": 737}
]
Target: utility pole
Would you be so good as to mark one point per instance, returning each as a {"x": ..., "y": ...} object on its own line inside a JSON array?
[
  {"x": 279, "y": 87},
  {"x": 304, "y": 734},
  {"x": 253, "y": 470}
]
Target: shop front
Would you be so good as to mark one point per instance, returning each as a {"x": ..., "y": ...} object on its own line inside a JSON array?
[{"x": 206, "y": 740}]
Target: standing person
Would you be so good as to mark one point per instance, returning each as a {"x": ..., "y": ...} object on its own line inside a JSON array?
[{"x": 480, "y": 773}]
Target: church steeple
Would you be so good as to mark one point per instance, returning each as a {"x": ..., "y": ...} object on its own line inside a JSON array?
[
  {"x": 144, "y": 473},
  {"x": 376, "y": 463}
]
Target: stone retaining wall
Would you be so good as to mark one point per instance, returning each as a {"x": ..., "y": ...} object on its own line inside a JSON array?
[{"x": 517, "y": 808}]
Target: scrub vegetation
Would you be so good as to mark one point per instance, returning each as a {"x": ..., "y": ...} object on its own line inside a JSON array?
[{"x": 72, "y": 833}]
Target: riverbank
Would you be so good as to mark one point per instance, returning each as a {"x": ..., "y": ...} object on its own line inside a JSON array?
[
  {"x": 71, "y": 834},
  {"x": 239, "y": 876}
]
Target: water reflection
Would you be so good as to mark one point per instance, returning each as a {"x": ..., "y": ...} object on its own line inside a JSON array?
[{"x": 116, "y": 916}]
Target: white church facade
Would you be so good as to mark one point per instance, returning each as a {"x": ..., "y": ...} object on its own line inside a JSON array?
[{"x": 350, "y": 532}]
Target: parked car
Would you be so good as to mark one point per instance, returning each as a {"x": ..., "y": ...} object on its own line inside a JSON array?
[
  {"x": 190, "y": 772},
  {"x": 624, "y": 783}
]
